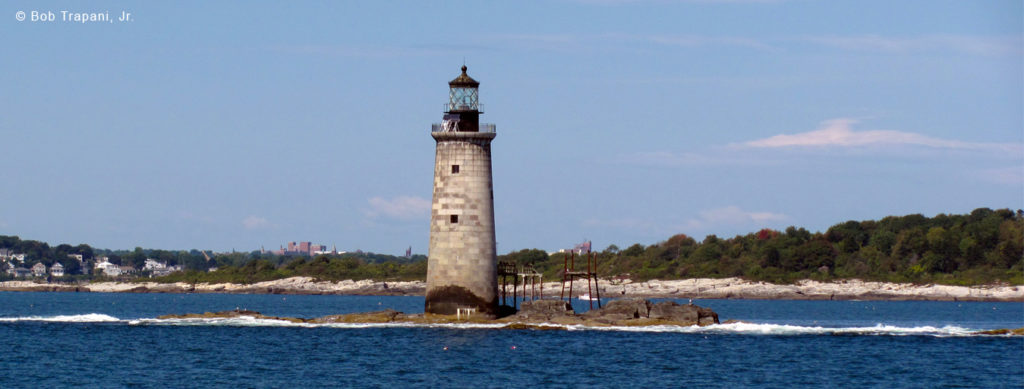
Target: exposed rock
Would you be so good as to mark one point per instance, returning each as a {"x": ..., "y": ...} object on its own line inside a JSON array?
[
  {"x": 707, "y": 316},
  {"x": 544, "y": 310},
  {"x": 1003, "y": 331},
  {"x": 670, "y": 310},
  {"x": 624, "y": 312},
  {"x": 537, "y": 314},
  {"x": 232, "y": 314},
  {"x": 618, "y": 310},
  {"x": 385, "y": 316}
]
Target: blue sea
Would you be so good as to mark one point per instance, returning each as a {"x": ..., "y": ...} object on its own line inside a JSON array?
[{"x": 115, "y": 340}]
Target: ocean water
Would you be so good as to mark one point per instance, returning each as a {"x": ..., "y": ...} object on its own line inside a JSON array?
[{"x": 115, "y": 340}]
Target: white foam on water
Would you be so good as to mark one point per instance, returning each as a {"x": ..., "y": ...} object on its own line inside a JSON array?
[
  {"x": 253, "y": 321},
  {"x": 740, "y": 328},
  {"x": 85, "y": 318},
  {"x": 786, "y": 329},
  {"x": 240, "y": 321}
]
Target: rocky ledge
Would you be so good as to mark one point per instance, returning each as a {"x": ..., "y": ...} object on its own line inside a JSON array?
[
  {"x": 538, "y": 314},
  {"x": 700, "y": 288}
]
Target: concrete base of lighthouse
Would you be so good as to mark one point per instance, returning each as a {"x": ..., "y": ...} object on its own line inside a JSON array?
[{"x": 447, "y": 300}]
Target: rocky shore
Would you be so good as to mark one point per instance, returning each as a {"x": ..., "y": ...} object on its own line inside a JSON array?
[
  {"x": 537, "y": 314},
  {"x": 700, "y": 288}
]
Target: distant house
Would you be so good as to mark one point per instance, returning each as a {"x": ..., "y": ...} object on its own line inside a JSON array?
[
  {"x": 39, "y": 270},
  {"x": 159, "y": 269},
  {"x": 57, "y": 270},
  {"x": 110, "y": 269},
  {"x": 8, "y": 254},
  {"x": 21, "y": 272}
]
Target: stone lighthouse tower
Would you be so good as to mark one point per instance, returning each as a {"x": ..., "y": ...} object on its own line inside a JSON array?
[{"x": 462, "y": 263}]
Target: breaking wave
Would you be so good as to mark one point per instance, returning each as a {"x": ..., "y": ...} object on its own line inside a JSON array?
[
  {"x": 718, "y": 329},
  {"x": 86, "y": 318},
  {"x": 249, "y": 321},
  {"x": 786, "y": 329}
]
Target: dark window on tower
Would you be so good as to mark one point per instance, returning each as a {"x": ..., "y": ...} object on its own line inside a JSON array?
[
  {"x": 455, "y": 169},
  {"x": 454, "y": 218}
]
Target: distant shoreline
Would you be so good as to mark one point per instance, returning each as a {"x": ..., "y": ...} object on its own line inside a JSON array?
[{"x": 700, "y": 288}]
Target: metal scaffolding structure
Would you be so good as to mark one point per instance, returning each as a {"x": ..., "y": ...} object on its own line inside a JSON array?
[
  {"x": 569, "y": 274},
  {"x": 532, "y": 281}
]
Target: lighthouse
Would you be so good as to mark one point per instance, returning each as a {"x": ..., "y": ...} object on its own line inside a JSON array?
[{"x": 462, "y": 262}]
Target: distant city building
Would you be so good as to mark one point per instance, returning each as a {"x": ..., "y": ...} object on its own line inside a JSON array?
[
  {"x": 579, "y": 249},
  {"x": 303, "y": 248},
  {"x": 582, "y": 248}
]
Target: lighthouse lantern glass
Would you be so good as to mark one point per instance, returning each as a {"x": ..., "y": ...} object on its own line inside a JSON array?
[{"x": 462, "y": 99}]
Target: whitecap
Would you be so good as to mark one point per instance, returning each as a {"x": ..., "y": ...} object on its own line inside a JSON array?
[{"x": 84, "y": 318}]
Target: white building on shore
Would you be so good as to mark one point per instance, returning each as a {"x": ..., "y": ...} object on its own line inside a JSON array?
[
  {"x": 159, "y": 269},
  {"x": 103, "y": 264},
  {"x": 57, "y": 270},
  {"x": 39, "y": 270}
]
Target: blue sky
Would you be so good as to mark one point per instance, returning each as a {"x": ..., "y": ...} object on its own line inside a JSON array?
[{"x": 235, "y": 125}]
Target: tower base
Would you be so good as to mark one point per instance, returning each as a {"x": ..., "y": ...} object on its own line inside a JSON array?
[{"x": 446, "y": 300}]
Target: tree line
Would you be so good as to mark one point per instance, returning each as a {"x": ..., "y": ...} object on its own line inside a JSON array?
[{"x": 985, "y": 246}]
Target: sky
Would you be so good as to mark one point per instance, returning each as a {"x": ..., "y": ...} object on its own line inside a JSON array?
[{"x": 239, "y": 125}]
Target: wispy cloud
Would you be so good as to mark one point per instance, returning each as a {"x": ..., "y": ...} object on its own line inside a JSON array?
[
  {"x": 664, "y": 158},
  {"x": 253, "y": 222},
  {"x": 621, "y": 41},
  {"x": 603, "y": 42},
  {"x": 728, "y": 218},
  {"x": 838, "y": 133},
  {"x": 700, "y": 40},
  {"x": 1013, "y": 175},
  {"x": 401, "y": 207},
  {"x": 732, "y": 216},
  {"x": 979, "y": 45},
  {"x": 380, "y": 51},
  {"x": 717, "y": 156},
  {"x": 617, "y": 2},
  {"x": 625, "y": 223}
]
